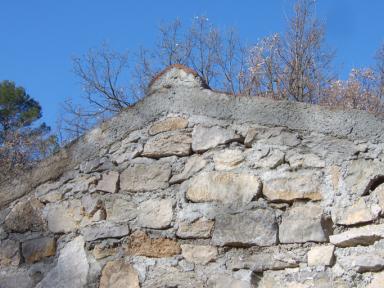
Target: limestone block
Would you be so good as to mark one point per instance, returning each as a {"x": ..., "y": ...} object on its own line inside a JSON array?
[
  {"x": 377, "y": 281},
  {"x": 9, "y": 253},
  {"x": 205, "y": 138},
  {"x": 228, "y": 159},
  {"x": 26, "y": 215},
  {"x": 127, "y": 152},
  {"x": 321, "y": 255},
  {"x": 200, "y": 254},
  {"x": 155, "y": 214},
  {"x": 199, "y": 229},
  {"x": 108, "y": 182},
  {"x": 367, "y": 262},
  {"x": 118, "y": 274},
  {"x": 273, "y": 159},
  {"x": 145, "y": 177},
  {"x": 168, "y": 144},
  {"x": 104, "y": 229},
  {"x": 224, "y": 187},
  {"x": 365, "y": 235},
  {"x": 168, "y": 124},
  {"x": 290, "y": 186},
  {"x": 223, "y": 280},
  {"x": 142, "y": 245},
  {"x": 360, "y": 212},
  {"x": 71, "y": 269},
  {"x": 101, "y": 251},
  {"x": 121, "y": 210},
  {"x": 300, "y": 160},
  {"x": 303, "y": 224},
  {"x": 35, "y": 250},
  {"x": 379, "y": 192},
  {"x": 64, "y": 217},
  {"x": 256, "y": 227},
  {"x": 193, "y": 165}
]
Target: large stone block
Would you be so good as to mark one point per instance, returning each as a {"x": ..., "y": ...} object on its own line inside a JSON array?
[
  {"x": 142, "y": 245},
  {"x": 121, "y": 210},
  {"x": 108, "y": 182},
  {"x": 104, "y": 229},
  {"x": 205, "y": 138},
  {"x": 360, "y": 212},
  {"x": 193, "y": 165},
  {"x": 168, "y": 144},
  {"x": 228, "y": 159},
  {"x": 145, "y": 177},
  {"x": 224, "y": 187},
  {"x": 367, "y": 262},
  {"x": 257, "y": 227},
  {"x": 71, "y": 269},
  {"x": 200, "y": 254},
  {"x": 118, "y": 274},
  {"x": 168, "y": 124},
  {"x": 303, "y": 224},
  {"x": 26, "y": 215},
  {"x": 321, "y": 255},
  {"x": 290, "y": 186},
  {"x": 155, "y": 214},
  {"x": 365, "y": 235},
  {"x": 64, "y": 217},
  {"x": 199, "y": 229},
  {"x": 35, "y": 250}
]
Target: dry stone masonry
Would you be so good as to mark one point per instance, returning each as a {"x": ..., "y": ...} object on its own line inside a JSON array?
[{"x": 194, "y": 188}]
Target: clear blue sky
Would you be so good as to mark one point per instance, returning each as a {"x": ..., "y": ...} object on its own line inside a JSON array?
[{"x": 39, "y": 37}]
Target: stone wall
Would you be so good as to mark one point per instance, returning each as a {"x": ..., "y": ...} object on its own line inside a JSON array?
[{"x": 193, "y": 188}]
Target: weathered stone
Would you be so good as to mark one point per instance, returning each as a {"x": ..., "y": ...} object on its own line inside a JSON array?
[
  {"x": 36, "y": 249},
  {"x": 121, "y": 210},
  {"x": 205, "y": 138},
  {"x": 127, "y": 152},
  {"x": 16, "y": 279},
  {"x": 377, "y": 281},
  {"x": 104, "y": 229},
  {"x": 290, "y": 186},
  {"x": 200, "y": 254},
  {"x": 168, "y": 124},
  {"x": 262, "y": 261},
  {"x": 271, "y": 161},
  {"x": 379, "y": 192},
  {"x": 198, "y": 229},
  {"x": 228, "y": 159},
  {"x": 155, "y": 214},
  {"x": 71, "y": 269},
  {"x": 65, "y": 216},
  {"x": 9, "y": 253},
  {"x": 299, "y": 160},
  {"x": 52, "y": 196},
  {"x": 193, "y": 165},
  {"x": 304, "y": 223},
  {"x": 257, "y": 227},
  {"x": 145, "y": 177},
  {"x": 360, "y": 212},
  {"x": 321, "y": 255},
  {"x": 118, "y": 274},
  {"x": 141, "y": 245},
  {"x": 101, "y": 251},
  {"x": 222, "y": 280},
  {"x": 168, "y": 144},
  {"x": 108, "y": 182},
  {"x": 250, "y": 137},
  {"x": 367, "y": 262},
  {"x": 26, "y": 215},
  {"x": 224, "y": 187},
  {"x": 365, "y": 235}
]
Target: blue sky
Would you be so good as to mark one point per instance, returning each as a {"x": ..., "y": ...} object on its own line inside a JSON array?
[{"x": 39, "y": 37}]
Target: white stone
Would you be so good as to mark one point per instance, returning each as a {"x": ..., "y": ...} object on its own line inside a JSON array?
[
  {"x": 228, "y": 159},
  {"x": 155, "y": 214},
  {"x": 321, "y": 255},
  {"x": 205, "y": 138},
  {"x": 200, "y": 254}
]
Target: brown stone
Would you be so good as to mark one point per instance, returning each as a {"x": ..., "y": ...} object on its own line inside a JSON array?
[
  {"x": 169, "y": 124},
  {"x": 118, "y": 274},
  {"x": 198, "y": 229},
  {"x": 9, "y": 253},
  {"x": 36, "y": 249},
  {"x": 142, "y": 245},
  {"x": 101, "y": 251}
]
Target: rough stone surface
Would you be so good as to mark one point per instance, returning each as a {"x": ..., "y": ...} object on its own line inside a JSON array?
[
  {"x": 103, "y": 230},
  {"x": 145, "y": 177},
  {"x": 293, "y": 186},
  {"x": 359, "y": 212},
  {"x": 257, "y": 227},
  {"x": 65, "y": 216},
  {"x": 71, "y": 269},
  {"x": 228, "y": 159},
  {"x": 201, "y": 254},
  {"x": 205, "y": 138},
  {"x": 26, "y": 215},
  {"x": 199, "y": 229},
  {"x": 168, "y": 144},
  {"x": 142, "y": 245},
  {"x": 377, "y": 281},
  {"x": 9, "y": 253},
  {"x": 363, "y": 263},
  {"x": 365, "y": 235},
  {"x": 37, "y": 249},
  {"x": 321, "y": 255},
  {"x": 304, "y": 223},
  {"x": 224, "y": 187},
  {"x": 108, "y": 182},
  {"x": 194, "y": 164},
  {"x": 169, "y": 124},
  {"x": 155, "y": 214},
  {"x": 117, "y": 274}
]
